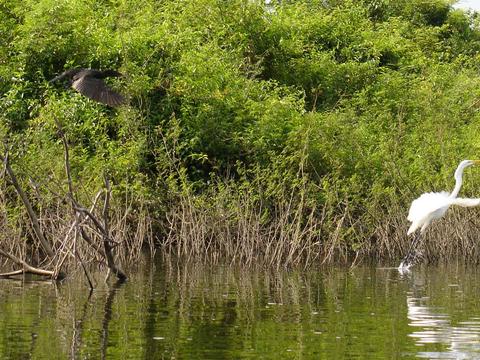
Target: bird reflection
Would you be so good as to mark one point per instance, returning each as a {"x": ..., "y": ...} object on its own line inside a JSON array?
[{"x": 462, "y": 340}]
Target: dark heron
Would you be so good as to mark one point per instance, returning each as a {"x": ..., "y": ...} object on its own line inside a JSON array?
[{"x": 89, "y": 82}]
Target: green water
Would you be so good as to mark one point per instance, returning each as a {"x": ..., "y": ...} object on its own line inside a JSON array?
[{"x": 201, "y": 312}]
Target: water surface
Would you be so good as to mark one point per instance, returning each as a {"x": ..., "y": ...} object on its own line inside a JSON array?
[{"x": 168, "y": 311}]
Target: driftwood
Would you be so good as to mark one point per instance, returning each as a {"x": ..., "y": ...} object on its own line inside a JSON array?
[{"x": 26, "y": 268}]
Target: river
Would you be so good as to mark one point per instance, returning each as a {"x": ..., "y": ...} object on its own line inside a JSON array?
[{"x": 175, "y": 311}]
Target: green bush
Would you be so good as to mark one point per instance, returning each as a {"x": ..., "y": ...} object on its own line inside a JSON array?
[{"x": 341, "y": 105}]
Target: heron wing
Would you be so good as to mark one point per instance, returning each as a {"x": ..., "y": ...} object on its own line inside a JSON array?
[
  {"x": 428, "y": 204},
  {"x": 96, "y": 89},
  {"x": 66, "y": 74}
]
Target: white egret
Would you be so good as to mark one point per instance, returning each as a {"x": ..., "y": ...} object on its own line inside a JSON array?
[{"x": 431, "y": 206}]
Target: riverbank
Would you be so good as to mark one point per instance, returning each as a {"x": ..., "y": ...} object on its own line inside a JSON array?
[{"x": 297, "y": 133}]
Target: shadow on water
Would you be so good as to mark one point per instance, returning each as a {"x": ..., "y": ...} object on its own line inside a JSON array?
[{"x": 169, "y": 310}]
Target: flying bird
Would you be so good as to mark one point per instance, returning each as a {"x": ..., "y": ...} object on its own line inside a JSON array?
[
  {"x": 431, "y": 206},
  {"x": 89, "y": 82}
]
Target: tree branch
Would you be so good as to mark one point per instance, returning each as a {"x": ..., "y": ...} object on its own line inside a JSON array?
[{"x": 31, "y": 214}]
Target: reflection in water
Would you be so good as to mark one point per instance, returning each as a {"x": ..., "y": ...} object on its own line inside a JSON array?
[
  {"x": 170, "y": 310},
  {"x": 434, "y": 325},
  {"x": 107, "y": 315},
  {"x": 78, "y": 328}
]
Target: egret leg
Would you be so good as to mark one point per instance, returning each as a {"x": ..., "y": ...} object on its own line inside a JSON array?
[{"x": 409, "y": 258}]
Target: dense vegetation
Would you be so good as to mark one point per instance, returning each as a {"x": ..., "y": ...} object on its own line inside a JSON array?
[{"x": 288, "y": 132}]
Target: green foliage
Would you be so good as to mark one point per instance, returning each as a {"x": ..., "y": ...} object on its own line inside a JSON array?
[{"x": 376, "y": 99}]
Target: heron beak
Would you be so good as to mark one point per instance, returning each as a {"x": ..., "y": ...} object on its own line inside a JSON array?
[{"x": 476, "y": 162}]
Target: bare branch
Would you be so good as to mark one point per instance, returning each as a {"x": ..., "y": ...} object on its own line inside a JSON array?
[
  {"x": 106, "y": 235},
  {"x": 31, "y": 214}
]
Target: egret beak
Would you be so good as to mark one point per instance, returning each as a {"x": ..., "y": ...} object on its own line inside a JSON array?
[{"x": 476, "y": 162}]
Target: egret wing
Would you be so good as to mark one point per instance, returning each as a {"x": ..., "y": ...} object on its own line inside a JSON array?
[
  {"x": 465, "y": 202},
  {"x": 427, "y": 204}
]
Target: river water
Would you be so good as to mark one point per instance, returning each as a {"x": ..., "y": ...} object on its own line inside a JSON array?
[{"x": 173, "y": 311}]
